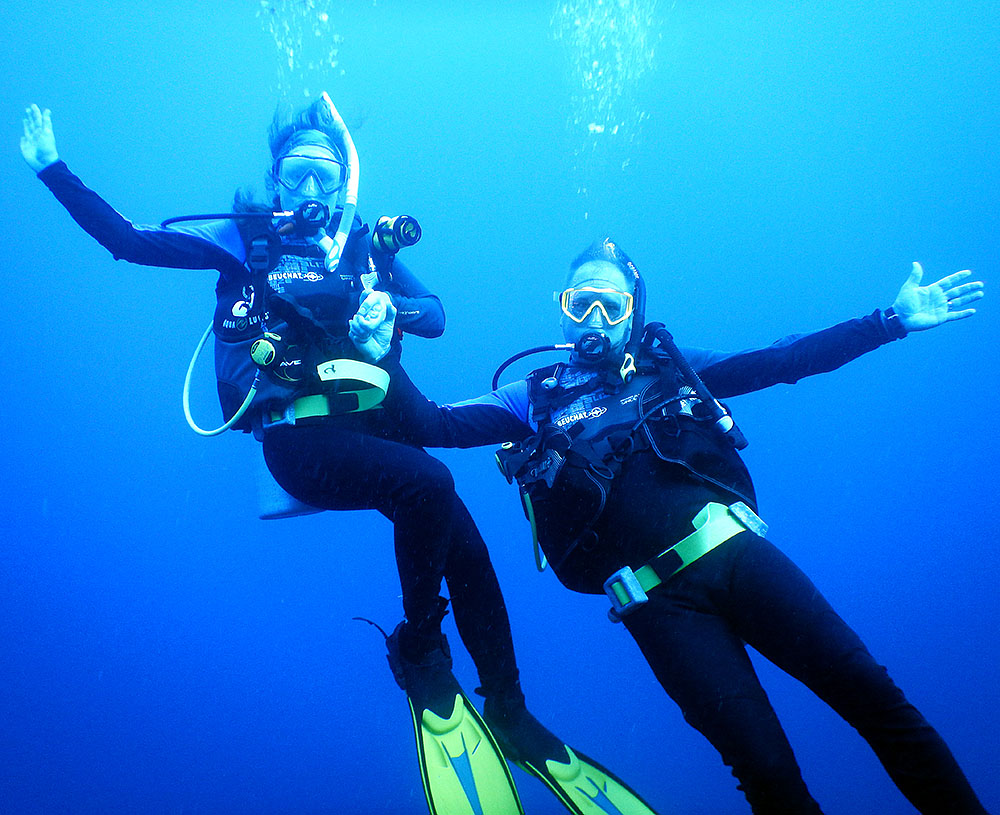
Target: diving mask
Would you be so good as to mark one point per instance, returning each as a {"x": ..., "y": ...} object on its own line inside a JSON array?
[
  {"x": 292, "y": 170},
  {"x": 577, "y": 304}
]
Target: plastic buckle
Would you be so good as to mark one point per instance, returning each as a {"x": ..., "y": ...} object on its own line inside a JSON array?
[
  {"x": 625, "y": 594},
  {"x": 287, "y": 417},
  {"x": 746, "y": 516}
]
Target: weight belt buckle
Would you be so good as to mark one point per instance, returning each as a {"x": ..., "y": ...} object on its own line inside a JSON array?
[
  {"x": 750, "y": 519},
  {"x": 625, "y": 593},
  {"x": 275, "y": 418}
]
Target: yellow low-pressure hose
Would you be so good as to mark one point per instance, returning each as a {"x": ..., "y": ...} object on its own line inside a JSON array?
[{"x": 187, "y": 394}]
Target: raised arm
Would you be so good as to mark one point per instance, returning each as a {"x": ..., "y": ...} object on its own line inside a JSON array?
[{"x": 212, "y": 246}]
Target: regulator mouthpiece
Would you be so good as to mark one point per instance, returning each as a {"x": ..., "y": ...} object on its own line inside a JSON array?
[
  {"x": 592, "y": 347},
  {"x": 308, "y": 220}
]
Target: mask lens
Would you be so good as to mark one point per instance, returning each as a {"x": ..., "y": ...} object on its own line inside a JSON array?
[
  {"x": 292, "y": 171},
  {"x": 577, "y": 304}
]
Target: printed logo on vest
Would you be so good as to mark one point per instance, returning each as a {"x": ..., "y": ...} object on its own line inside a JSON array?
[
  {"x": 241, "y": 308},
  {"x": 569, "y": 418}
]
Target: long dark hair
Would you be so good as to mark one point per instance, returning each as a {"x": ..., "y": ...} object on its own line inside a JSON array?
[{"x": 289, "y": 129}]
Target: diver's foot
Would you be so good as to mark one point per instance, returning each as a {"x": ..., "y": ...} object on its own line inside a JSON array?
[
  {"x": 521, "y": 736},
  {"x": 582, "y": 785},
  {"x": 421, "y": 666}
]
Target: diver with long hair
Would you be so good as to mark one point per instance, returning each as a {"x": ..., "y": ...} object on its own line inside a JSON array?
[{"x": 311, "y": 306}]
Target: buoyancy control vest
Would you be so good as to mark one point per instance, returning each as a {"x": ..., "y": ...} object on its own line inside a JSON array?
[
  {"x": 589, "y": 426},
  {"x": 287, "y": 290}
]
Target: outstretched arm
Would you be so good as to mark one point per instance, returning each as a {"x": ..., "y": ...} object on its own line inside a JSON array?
[
  {"x": 792, "y": 358},
  {"x": 491, "y": 419},
  {"x": 922, "y": 307}
]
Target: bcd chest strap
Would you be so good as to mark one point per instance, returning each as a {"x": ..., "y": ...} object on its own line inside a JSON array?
[
  {"x": 603, "y": 436},
  {"x": 363, "y": 268}
]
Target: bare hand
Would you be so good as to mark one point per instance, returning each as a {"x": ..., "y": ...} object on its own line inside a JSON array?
[
  {"x": 370, "y": 329},
  {"x": 38, "y": 144},
  {"x": 922, "y": 307}
]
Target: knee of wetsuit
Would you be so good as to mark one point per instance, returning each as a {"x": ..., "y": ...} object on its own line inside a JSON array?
[
  {"x": 438, "y": 479},
  {"x": 431, "y": 483},
  {"x": 861, "y": 690}
]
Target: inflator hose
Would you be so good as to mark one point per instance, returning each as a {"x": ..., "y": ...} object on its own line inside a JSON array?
[
  {"x": 566, "y": 346},
  {"x": 187, "y": 393},
  {"x": 716, "y": 411}
]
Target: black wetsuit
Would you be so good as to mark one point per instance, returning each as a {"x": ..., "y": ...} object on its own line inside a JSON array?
[
  {"x": 352, "y": 461},
  {"x": 695, "y": 626}
]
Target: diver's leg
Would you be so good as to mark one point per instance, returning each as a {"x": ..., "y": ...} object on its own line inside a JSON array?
[
  {"x": 483, "y": 624},
  {"x": 781, "y": 613},
  {"x": 327, "y": 466},
  {"x": 462, "y": 766},
  {"x": 703, "y": 665},
  {"x": 480, "y": 611}
]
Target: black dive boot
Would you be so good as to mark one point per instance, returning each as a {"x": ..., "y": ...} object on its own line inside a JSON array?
[
  {"x": 582, "y": 785},
  {"x": 523, "y": 738},
  {"x": 421, "y": 664}
]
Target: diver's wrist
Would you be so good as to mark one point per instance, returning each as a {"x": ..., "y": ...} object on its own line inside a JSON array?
[
  {"x": 894, "y": 325},
  {"x": 49, "y": 169},
  {"x": 40, "y": 164}
]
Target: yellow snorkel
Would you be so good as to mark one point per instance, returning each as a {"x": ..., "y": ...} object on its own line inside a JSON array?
[{"x": 334, "y": 247}]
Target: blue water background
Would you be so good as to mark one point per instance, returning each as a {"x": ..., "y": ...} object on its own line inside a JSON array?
[{"x": 163, "y": 651}]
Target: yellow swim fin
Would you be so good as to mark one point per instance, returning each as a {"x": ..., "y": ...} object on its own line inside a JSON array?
[
  {"x": 463, "y": 763},
  {"x": 462, "y": 767},
  {"x": 463, "y": 770},
  {"x": 582, "y": 785},
  {"x": 587, "y": 788}
]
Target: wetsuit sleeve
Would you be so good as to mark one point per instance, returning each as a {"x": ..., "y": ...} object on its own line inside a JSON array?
[
  {"x": 491, "y": 419},
  {"x": 789, "y": 359},
  {"x": 417, "y": 310},
  {"x": 211, "y": 246},
  {"x": 498, "y": 416}
]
